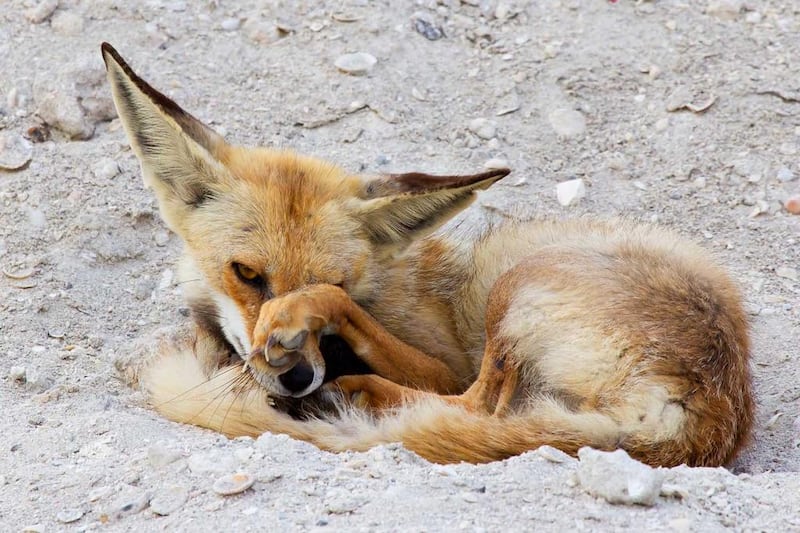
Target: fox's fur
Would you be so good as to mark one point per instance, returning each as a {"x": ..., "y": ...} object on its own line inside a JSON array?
[{"x": 328, "y": 308}]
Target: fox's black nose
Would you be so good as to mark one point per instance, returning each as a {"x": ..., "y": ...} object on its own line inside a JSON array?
[{"x": 298, "y": 378}]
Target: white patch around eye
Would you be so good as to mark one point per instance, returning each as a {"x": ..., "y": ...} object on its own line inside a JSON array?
[{"x": 232, "y": 324}]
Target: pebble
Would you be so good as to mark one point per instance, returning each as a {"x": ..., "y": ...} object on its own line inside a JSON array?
[
  {"x": 567, "y": 122},
  {"x": 792, "y": 204},
  {"x": 787, "y": 272},
  {"x": 168, "y": 500},
  {"x": 261, "y": 31},
  {"x": 67, "y": 23},
  {"x": 17, "y": 373},
  {"x": 41, "y": 11},
  {"x": 233, "y": 484},
  {"x": 73, "y": 99},
  {"x": 617, "y": 478},
  {"x": 160, "y": 456},
  {"x": 356, "y": 64},
  {"x": 34, "y": 528},
  {"x": 554, "y": 455},
  {"x": 161, "y": 237},
  {"x": 724, "y": 9},
  {"x": 785, "y": 174},
  {"x": 68, "y": 516},
  {"x": 211, "y": 463},
  {"x": 105, "y": 169},
  {"x": 662, "y": 124},
  {"x": 484, "y": 128},
  {"x": 230, "y": 24},
  {"x": 341, "y": 501},
  {"x": 495, "y": 163},
  {"x": 133, "y": 502},
  {"x": 570, "y": 192},
  {"x": 15, "y": 151}
]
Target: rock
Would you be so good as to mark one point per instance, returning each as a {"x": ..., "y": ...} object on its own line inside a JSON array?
[
  {"x": 41, "y": 11},
  {"x": 211, "y": 463},
  {"x": 483, "y": 128},
  {"x": 567, "y": 122},
  {"x": 67, "y": 23},
  {"x": 233, "y": 484},
  {"x": 785, "y": 174},
  {"x": 105, "y": 169},
  {"x": 356, "y": 64},
  {"x": 792, "y": 204},
  {"x": 33, "y": 528},
  {"x": 132, "y": 501},
  {"x": 617, "y": 478},
  {"x": 570, "y": 192},
  {"x": 161, "y": 237},
  {"x": 74, "y": 99},
  {"x": 425, "y": 26},
  {"x": 787, "y": 273},
  {"x": 554, "y": 455},
  {"x": 261, "y": 31},
  {"x": 341, "y": 501},
  {"x": 230, "y": 24},
  {"x": 724, "y": 9},
  {"x": 15, "y": 150},
  {"x": 68, "y": 516},
  {"x": 495, "y": 162},
  {"x": 17, "y": 373},
  {"x": 168, "y": 500},
  {"x": 160, "y": 456}
]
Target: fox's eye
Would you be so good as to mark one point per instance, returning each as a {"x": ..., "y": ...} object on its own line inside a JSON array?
[{"x": 247, "y": 274}]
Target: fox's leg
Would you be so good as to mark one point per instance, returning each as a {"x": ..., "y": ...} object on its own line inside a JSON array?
[
  {"x": 289, "y": 327},
  {"x": 498, "y": 380}
]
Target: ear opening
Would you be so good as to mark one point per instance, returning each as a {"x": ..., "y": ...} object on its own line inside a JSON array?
[
  {"x": 400, "y": 208},
  {"x": 179, "y": 155}
]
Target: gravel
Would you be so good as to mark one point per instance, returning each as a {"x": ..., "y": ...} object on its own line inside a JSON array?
[{"x": 576, "y": 90}]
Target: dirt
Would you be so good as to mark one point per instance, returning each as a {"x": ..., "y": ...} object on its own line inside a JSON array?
[{"x": 688, "y": 113}]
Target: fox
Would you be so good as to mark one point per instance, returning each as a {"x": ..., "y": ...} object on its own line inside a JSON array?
[{"x": 353, "y": 310}]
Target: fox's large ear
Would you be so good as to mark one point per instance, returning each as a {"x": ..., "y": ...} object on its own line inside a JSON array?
[
  {"x": 398, "y": 208},
  {"x": 180, "y": 156}
]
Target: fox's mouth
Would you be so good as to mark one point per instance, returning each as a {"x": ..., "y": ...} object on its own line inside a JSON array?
[{"x": 305, "y": 376}]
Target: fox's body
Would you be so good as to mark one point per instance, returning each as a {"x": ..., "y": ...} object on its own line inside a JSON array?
[{"x": 479, "y": 344}]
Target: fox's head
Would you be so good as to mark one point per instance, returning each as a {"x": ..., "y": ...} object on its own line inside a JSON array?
[{"x": 258, "y": 223}]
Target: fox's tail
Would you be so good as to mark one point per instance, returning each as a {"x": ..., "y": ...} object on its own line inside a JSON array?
[{"x": 229, "y": 402}]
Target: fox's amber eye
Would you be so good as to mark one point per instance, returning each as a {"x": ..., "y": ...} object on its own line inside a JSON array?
[{"x": 247, "y": 274}]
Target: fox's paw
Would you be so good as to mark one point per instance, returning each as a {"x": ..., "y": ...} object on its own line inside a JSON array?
[
  {"x": 286, "y": 337},
  {"x": 372, "y": 393}
]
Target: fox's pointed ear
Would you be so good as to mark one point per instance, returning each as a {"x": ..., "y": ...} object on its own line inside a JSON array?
[
  {"x": 397, "y": 208},
  {"x": 179, "y": 155}
]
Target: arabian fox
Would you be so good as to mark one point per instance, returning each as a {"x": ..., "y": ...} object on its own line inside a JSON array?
[{"x": 328, "y": 307}]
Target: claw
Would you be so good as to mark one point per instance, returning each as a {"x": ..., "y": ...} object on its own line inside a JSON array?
[{"x": 297, "y": 341}]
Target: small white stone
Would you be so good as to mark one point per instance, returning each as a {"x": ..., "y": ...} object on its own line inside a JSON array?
[
  {"x": 785, "y": 174},
  {"x": 41, "y": 11},
  {"x": 484, "y": 128},
  {"x": 169, "y": 500},
  {"x": 662, "y": 124},
  {"x": 160, "y": 456},
  {"x": 617, "y": 478},
  {"x": 161, "y": 237},
  {"x": 15, "y": 151},
  {"x": 17, "y": 373},
  {"x": 495, "y": 162},
  {"x": 105, "y": 169},
  {"x": 357, "y": 64},
  {"x": 67, "y": 23},
  {"x": 230, "y": 24},
  {"x": 570, "y": 192},
  {"x": 724, "y": 9},
  {"x": 567, "y": 122},
  {"x": 69, "y": 515},
  {"x": 787, "y": 272},
  {"x": 233, "y": 484},
  {"x": 554, "y": 455}
]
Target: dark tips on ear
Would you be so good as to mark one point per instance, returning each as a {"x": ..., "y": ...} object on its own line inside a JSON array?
[{"x": 418, "y": 182}]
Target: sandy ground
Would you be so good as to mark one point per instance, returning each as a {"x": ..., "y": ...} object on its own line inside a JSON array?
[{"x": 687, "y": 113}]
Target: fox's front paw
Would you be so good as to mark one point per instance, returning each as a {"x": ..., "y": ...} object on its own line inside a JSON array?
[{"x": 286, "y": 337}]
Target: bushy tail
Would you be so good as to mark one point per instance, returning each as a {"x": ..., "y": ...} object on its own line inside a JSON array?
[{"x": 228, "y": 402}]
